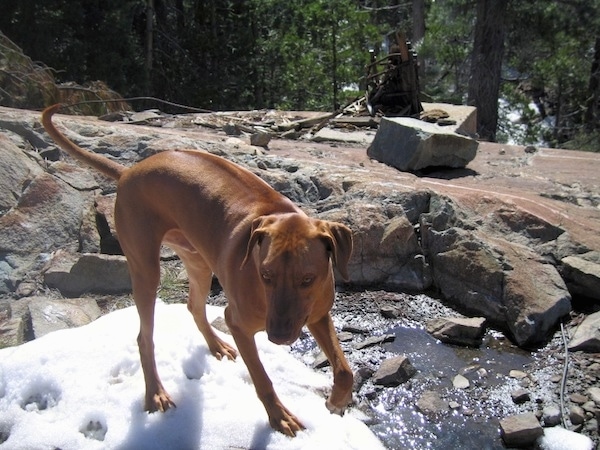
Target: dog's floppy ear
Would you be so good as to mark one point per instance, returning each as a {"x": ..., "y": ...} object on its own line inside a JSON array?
[
  {"x": 257, "y": 232},
  {"x": 339, "y": 241}
]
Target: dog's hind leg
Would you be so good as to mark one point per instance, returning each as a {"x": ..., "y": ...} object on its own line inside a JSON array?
[{"x": 145, "y": 276}]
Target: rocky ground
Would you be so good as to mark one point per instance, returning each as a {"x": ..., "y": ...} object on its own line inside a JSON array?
[
  {"x": 437, "y": 408},
  {"x": 518, "y": 201}
]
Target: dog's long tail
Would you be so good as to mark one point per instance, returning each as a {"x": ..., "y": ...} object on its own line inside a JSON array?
[{"x": 106, "y": 166}]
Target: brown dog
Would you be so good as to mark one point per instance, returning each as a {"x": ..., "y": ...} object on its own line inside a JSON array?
[{"x": 273, "y": 261}]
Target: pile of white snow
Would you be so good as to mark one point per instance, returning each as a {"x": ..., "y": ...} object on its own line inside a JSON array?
[{"x": 83, "y": 388}]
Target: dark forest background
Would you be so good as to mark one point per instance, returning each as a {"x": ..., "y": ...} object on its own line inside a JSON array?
[{"x": 530, "y": 67}]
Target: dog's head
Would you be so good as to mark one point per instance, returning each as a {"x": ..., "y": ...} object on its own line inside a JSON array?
[{"x": 294, "y": 256}]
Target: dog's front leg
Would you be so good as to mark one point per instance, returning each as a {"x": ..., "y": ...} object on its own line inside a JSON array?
[
  {"x": 325, "y": 335},
  {"x": 280, "y": 418}
]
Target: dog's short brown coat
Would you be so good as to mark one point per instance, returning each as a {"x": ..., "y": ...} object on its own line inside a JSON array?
[{"x": 273, "y": 261}]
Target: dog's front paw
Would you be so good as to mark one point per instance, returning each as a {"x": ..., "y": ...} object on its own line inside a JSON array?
[
  {"x": 333, "y": 409},
  {"x": 159, "y": 402}
]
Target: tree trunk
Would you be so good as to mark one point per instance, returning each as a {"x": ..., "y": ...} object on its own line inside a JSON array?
[
  {"x": 486, "y": 64},
  {"x": 591, "y": 111},
  {"x": 149, "y": 44},
  {"x": 418, "y": 20}
]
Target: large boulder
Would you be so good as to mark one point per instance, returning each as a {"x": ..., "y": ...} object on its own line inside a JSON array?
[
  {"x": 486, "y": 275},
  {"x": 44, "y": 214},
  {"x": 410, "y": 145}
]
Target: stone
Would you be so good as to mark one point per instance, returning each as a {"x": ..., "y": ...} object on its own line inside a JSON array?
[
  {"x": 551, "y": 415},
  {"x": 394, "y": 371},
  {"x": 576, "y": 415},
  {"x": 12, "y": 332},
  {"x": 594, "y": 393},
  {"x": 460, "y": 382},
  {"x": 327, "y": 134},
  {"x": 386, "y": 250},
  {"x": 361, "y": 376},
  {"x": 582, "y": 274},
  {"x": 48, "y": 315},
  {"x": 390, "y": 312},
  {"x": 411, "y": 144},
  {"x": 374, "y": 340},
  {"x": 457, "y": 330},
  {"x": 74, "y": 275},
  {"x": 580, "y": 399},
  {"x": 430, "y": 403},
  {"x": 520, "y": 430},
  {"x": 587, "y": 335},
  {"x": 518, "y": 374},
  {"x": 520, "y": 396},
  {"x": 464, "y": 116},
  {"x": 260, "y": 139}
]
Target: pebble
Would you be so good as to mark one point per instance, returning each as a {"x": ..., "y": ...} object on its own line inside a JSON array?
[
  {"x": 460, "y": 382},
  {"x": 578, "y": 398},
  {"x": 551, "y": 415},
  {"x": 517, "y": 374},
  {"x": 520, "y": 396},
  {"x": 576, "y": 415}
]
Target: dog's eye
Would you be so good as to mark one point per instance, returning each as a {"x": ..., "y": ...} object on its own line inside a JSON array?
[
  {"x": 266, "y": 276},
  {"x": 307, "y": 280}
]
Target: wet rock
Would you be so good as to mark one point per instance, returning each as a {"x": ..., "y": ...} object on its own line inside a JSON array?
[
  {"x": 74, "y": 275},
  {"x": 518, "y": 374},
  {"x": 458, "y": 331},
  {"x": 587, "y": 335},
  {"x": 361, "y": 376},
  {"x": 460, "y": 382},
  {"x": 410, "y": 144},
  {"x": 520, "y": 396},
  {"x": 551, "y": 415},
  {"x": 582, "y": 274},
  {"x": 374, "y": 340},
  {"x": 520, "y": 430},
  {"x": 48, "y": 315},
  {"x": 430, "y": 403},
  {"x": 394, "y": 371}
]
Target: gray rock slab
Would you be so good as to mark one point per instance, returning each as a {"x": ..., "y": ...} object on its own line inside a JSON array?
[
  {"x": 458, "y": 330},
  {"x": 334, "y": 135},
  {"x": 582, "y": 274},
  {"x": 48, "y": 315},
  {"x": 76, "y": 274},
  {"x": 587, "y": 335},
  {"x": 411, "y": 144}
]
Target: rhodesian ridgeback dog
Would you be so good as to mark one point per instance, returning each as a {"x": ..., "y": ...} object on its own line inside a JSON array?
[{"x": 275, "y": 263}]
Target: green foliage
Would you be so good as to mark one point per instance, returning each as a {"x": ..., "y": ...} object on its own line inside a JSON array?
[{"x": 446, "y": 50}]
